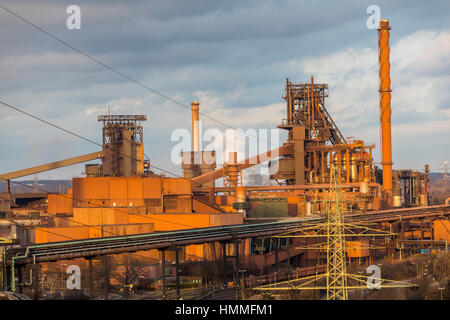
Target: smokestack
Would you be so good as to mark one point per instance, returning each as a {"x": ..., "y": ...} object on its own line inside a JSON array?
[
  {"x": 195, "y": 134},
  {"x": 385, "y": 108}
]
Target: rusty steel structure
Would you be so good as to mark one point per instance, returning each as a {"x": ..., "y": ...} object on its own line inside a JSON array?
[
  {"x": 305, "y": 104},
  {"x": 122, "y": 145},
  {"x": 317, "y": 141},
  {"x": 410, "y": 188},
  {"x": 314, "y": 145},
  {"x": 132, "y": 209}
]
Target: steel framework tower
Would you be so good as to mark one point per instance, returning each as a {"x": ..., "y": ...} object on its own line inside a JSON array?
[
  {"x": 336, "y": 262},
  {"x": 335, "y": 230},
  {"x": 305, "y": 104},
  {"x": 123, "y": 145}
]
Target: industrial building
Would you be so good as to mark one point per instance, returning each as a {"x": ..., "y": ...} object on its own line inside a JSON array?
[{"x": 121, "y": 195}]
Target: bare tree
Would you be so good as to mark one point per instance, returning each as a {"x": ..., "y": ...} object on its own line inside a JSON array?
[{"x": 126, "y": 268}]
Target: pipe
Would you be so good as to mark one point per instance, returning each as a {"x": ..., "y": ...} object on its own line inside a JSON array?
[
  {"x": 195, "y": 119},
  {"x": 241, "y": 198},
  {"x": 385, "y": 108},
  {"x": 249, "y": 162},
  {"x": 325, "y": 186}
]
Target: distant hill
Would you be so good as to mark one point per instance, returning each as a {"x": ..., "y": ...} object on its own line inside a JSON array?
[
  {"x": 58, "y": 186},
  {"x": 438, "y": 188},
  {"x": 436, "y": 176}
]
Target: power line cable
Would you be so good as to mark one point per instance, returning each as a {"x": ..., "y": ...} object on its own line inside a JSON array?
[
  {"x": 65, "y": 236},
  {"x": 98, "y": 144},
  {"x": 123, "y": 75},
  {"x": 103, "y": 207},
  {"x": 113, "y": 70}
]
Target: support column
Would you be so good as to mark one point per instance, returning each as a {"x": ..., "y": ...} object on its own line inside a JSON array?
[
  {"x": 106, "y": 275},
  {"x": 236, "y": 263},
  {"x": 35, "y": 281},
  {"x": 288, "y": 245},
  {"x": 339, "y": 165},
  {"x": 177, "y": 272},
  {"x": 322, "y": 167},
  {"x": 163, "y": 273},
  {"x": 347, "y": 165},
  {"x": 299, "y": 154},
  {"x": 276, "y": 255},
  {"x": 224, "y": 263},
  {"x": 2, "y": 276},
  {"x": 91, "y": 280},
  {"x": 19, "y": 279},
  {"x": 211, "y": 196},
  {"x": 6, "y": 275}
]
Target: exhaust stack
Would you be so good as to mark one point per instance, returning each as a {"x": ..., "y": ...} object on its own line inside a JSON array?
[
  {"x": 195, "y": 134},
  {"x": 385, "y": 108}
]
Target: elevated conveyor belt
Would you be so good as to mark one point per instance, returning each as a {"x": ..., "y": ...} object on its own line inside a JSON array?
[{"x": 160, "y": 240}]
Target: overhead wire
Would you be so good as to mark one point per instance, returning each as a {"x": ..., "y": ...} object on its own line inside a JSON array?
[
  {"x": 117, "y": 72},
  {"x": 120, "y": 73},
  {"x": 96, "y": 60},
  {"x": 98, "y": 144}
]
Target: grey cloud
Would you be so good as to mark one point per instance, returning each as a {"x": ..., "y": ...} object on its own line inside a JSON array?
[{"x": 178, "y": 48}]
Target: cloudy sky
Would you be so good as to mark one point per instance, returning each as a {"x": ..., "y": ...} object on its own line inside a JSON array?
[{"x": 232, "y": 56}]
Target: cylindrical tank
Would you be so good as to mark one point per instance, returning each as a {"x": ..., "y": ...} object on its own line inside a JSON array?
[
  {"x": 423, "y": 200},
  {"x": 241, "y": 198},
  {"x": 240, "y": 194},
  {"x": 308, "y": 208},
  {"x": 397, "y": 201},
  {"x": 354, "y": 167},
  {"x": 364, "y": 187}
]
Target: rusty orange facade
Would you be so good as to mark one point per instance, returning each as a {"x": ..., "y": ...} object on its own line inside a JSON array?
[
  {"x": 357, "y": 248},
  {"x": 109, "y": 206},
  {"x": 43, "y": 235},
  {"x": 141, "y": 194},
  {"x": 441, "y": 230},
  {"x": 60, "y": 203}
]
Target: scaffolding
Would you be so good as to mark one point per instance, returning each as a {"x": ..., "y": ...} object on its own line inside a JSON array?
[
  {"x": 123, "y": 145},
  {"x": 306, "y": 107}
]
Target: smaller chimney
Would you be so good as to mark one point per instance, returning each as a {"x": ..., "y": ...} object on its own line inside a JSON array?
[{"x": 195, "y": 134}]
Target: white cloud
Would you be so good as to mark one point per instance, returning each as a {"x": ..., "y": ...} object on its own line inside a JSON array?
[
  {"x": 13, "y": 65},
  {"x": 237, "y": 60},
  {"x": 250, "y": 117},
  {"x": 419, "y": 83}
]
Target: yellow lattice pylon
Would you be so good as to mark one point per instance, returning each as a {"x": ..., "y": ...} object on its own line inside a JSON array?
[{"x": 335, "y": 230}]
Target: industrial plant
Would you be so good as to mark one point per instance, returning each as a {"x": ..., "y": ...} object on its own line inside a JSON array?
[{"x": 328, "y": 213}]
